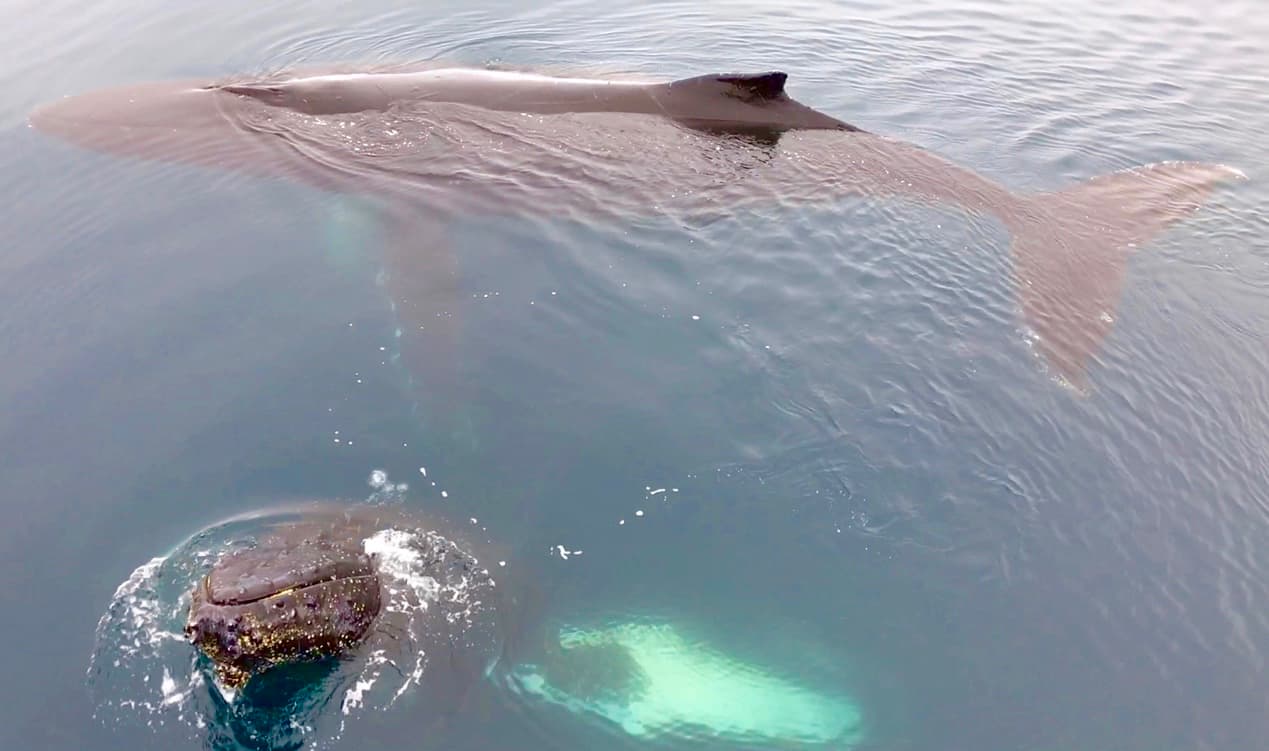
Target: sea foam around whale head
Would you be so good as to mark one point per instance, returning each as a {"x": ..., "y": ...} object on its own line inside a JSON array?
[{"x": 144, "y": 677}]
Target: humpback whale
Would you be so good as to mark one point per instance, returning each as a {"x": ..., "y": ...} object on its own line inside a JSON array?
[
  {"x": 292, "y": 609},
  {"x": 315, "y": 582},
  {"x": 438, "y": 142},
  {"x": 301, "y": 594}
]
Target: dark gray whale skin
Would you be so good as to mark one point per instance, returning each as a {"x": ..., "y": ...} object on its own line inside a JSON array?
[
  {"x": 307, "y": 590},
  {"x": 452, "y": 141},
  {"x": 304, "y": 593}
]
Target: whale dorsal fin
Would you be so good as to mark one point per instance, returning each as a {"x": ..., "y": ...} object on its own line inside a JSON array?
[
  {"x": 750, "y": 87},
  {"x": 758, "y": 85}
]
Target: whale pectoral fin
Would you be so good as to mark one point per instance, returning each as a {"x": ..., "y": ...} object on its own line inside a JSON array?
[{"x": 422, "y": 277}]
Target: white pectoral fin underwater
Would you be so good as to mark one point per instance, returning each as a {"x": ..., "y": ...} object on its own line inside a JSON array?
[{"x": 650, "y": 681}]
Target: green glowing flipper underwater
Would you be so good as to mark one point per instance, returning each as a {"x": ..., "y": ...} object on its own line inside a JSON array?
[{"x": 652, "y": 682}]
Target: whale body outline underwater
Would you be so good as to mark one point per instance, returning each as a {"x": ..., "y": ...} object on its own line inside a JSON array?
[{"x": 534, "y": 143}]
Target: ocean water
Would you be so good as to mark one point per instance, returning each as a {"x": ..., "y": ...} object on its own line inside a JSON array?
[{"x": 812, "y": 448}]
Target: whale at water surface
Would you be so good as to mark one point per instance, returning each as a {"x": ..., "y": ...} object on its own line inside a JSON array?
[{"x": 440, "y": 142}]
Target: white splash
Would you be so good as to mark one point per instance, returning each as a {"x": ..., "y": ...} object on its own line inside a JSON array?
[
  {"x": 140, "y": 660},
  {"x": 399, "y": 559},
  {"x": 354, "y": 698},
  {"x": 144, "y": 672},
  {"x": 136, "y": 609},
  {"x": 398, "y": 556}
]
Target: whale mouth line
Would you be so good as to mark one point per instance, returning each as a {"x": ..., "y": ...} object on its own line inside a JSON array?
[
  {"x": 286, "y": 564},
  {"x": 289, "y": 590}
]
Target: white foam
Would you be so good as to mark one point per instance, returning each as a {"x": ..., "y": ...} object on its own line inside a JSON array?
[
  {"x": 144, "y": 671},
  {"x": 170, "y": 694},
  {"x": 139, "y": 657},
  {"x": 137, "y": 608},
  {"x": 399, "y": 557},
  {"x": 355, "y": 696}
]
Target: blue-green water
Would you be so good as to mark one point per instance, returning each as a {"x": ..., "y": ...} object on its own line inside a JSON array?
[{"x": 871, "y": 483}]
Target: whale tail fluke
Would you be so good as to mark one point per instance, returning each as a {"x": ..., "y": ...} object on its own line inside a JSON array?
[{"x": 1070, "y": 249}]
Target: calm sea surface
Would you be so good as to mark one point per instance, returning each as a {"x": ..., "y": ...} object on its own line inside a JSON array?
[{"x": 816, "y": 441}]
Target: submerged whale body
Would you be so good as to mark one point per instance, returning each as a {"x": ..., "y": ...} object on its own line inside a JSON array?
[{"x": 441, "y": 142}]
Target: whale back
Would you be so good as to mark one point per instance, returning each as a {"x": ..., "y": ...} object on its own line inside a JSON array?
[{"x": 718, "y": 100}]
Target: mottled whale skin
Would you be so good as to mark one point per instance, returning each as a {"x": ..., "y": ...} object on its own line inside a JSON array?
[
  {"x": 307, "y": 589},
  {"x": 442, "y": 142},
  {"x": 303, "y": 593}
]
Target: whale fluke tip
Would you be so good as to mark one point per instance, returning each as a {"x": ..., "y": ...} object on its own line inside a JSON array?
[{"x": 1070, "y": 249}]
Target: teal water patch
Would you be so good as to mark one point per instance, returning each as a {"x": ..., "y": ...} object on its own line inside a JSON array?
[
  {"x": 352, "y": 232},
  {"x": 651, "y": 681}
]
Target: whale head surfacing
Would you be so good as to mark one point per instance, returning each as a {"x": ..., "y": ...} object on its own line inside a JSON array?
[{"x": 293, "y": 598}]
